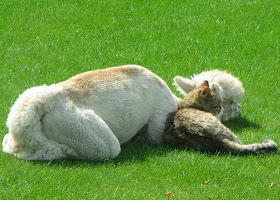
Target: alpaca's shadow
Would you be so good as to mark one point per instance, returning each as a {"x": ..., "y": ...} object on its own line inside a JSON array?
[
  {"x": 135, "y": 152},
  {"x": 130, "y": 153},
  {"x": 241, "y": 123},
  {"x": 139, "y": 153}
]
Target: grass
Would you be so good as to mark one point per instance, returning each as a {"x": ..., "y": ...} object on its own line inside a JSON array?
[{"x": 45, "y": 42}]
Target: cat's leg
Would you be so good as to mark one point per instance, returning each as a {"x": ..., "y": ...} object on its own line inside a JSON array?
[
  {"x": 84, "y": 132},
  {"x": 222, "y": 132},
  {"x": 234, "y": 138}
]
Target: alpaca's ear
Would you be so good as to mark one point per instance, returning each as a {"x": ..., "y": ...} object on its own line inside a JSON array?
[
  {"x": 205, "y": 84},
  {"x": 184, "y": 85},
  {"x": 205, "y": 92},
  {"x": 215, "y": 88}
]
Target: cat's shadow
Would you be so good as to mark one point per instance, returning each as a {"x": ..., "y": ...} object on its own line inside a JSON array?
[{"x": 241, "y": 123}]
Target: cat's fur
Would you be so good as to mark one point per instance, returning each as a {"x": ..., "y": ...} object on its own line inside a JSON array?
[
  {"x": 231, "y": 90},
  {"x": 194, "y": 126}
]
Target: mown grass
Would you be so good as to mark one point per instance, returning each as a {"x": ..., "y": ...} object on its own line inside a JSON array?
[{"x": 45, "y": 42}]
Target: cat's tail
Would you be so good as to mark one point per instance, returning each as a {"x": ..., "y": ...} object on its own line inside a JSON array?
[{"x": 265, "y": 147}]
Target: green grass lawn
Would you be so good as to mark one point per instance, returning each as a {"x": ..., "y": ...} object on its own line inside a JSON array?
[{"x": 48, "y": 41}]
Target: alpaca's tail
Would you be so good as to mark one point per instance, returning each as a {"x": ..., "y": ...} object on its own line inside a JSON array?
[
  {"x": 265, "y": 147},
  {"x": 25, "y": 125}
]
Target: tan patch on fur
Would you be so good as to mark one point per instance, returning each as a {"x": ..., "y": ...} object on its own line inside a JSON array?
[{"x": 87, "y": 81}]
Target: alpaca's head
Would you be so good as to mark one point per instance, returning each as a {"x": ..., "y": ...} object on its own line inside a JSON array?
[{"x": 230, "y": 90}]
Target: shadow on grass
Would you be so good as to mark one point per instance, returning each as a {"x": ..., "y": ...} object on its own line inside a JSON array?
[
  {"x": 140, "y": 153},
  {"x": 130, "y": 153},
  {"x": 241, "y": 123},
  {"x": 133, "y": 152}
]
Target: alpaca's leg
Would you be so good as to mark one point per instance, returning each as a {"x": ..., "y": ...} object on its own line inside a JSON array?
[
  {"x": 155, "y": 130},
  {"x": 84, "y": 132}
]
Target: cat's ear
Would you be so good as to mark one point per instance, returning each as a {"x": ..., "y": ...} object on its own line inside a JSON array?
[
  {"x": 183, "y": 85},
  {"x": 205, "y": 92},
  {"x": 205, "y": 84}
]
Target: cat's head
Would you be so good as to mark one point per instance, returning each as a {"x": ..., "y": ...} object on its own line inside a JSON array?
[{"x": 204, "y": 98}]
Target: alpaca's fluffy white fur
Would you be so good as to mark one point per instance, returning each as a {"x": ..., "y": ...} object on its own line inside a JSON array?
[
  {"x": 231, "y": 89},
  {"x": 88, "y": 116}
]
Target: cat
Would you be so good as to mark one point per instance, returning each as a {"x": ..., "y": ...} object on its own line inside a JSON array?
[{"x": 194, "y": 126}]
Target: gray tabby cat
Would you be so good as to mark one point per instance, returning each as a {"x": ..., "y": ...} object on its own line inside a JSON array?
[{"x": 194, "y": 126}]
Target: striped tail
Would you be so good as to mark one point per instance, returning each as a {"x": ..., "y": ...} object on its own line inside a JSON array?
[{"x": 262, "y": 148}]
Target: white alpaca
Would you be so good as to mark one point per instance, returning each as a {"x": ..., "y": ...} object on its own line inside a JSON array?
[
  {"x": 231, "y": 90},
  {"x": 89, "y": 115}
]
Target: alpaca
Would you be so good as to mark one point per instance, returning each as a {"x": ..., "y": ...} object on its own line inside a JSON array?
[{"x": 89, "y": 115}]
